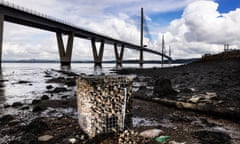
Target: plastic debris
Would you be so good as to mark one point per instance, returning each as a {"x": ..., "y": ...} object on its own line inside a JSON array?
[{"x": 162, "y": 139}]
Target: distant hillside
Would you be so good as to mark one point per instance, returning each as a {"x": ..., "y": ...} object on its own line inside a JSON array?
[
  {"x": 177, "y": 61},
  {"x": 224, "y": 55}
]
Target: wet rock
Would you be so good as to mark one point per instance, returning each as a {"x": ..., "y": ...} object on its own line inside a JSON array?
[
  {"x": 17, "y": 104},
  {"x": 49, "y": 87},
  {"x": 151, "y": 133},
  {"x": 186, "y": 90},
  {"x": 44, "y": 97},
  {"x": 59, "y": 89},
  {"x": 174, "y": 142},
  {"x": 72, "y": 140},
  {"x": 13, "y": 122},
  {"x": 65, "y": 96},
  {"x": 70, "y": 82},
  {"x": 35, "y": 102},
  {"x": 29, "y": 138},
  {"x": 211, "y": 137},
  {"x": 36, "y": 126},
  {"x": 16, "y": 142},
  {"x": 194, "y": 99},
  {"x": 24, "y": 107},
  {"x": 38, "y": 109},
  {"x": 163, "y": 87},
  {"x": 23, "y": 82},
  {"x": 6, "y": 105},
  {"x": 6, "y": 118},
  {"x": 45, "y": 138}
]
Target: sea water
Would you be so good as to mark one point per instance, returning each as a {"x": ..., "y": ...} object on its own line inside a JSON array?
[{"x": 12, "y": 73}]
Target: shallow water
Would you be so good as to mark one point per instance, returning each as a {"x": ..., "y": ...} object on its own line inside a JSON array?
[{"x": 12, "y": 91}]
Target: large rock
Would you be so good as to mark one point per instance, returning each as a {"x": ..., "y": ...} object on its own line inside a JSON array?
[
  {"x": 38, "y": 108},
  {"x": 36, "y": 126},
  {"x": 17, "y": 104},
  {"x": 163, "y": 87},
  {"x": 151, "y": 133},
  {"x": 6, "y": 118},
  {"x": 44, "y": 97}
]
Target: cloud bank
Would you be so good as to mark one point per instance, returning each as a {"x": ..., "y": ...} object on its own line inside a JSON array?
[{"x": 201, "y": 28}]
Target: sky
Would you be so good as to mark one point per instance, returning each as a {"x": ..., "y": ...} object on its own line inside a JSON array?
[{"x": 191, "y": 28}]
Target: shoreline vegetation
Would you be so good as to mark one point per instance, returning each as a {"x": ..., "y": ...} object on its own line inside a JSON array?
[{"x": 192, "y": 103}]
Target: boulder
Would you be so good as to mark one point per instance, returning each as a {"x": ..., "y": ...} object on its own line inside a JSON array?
[
  {"x": 6, "y": 118},
  {"x": 151, "y": 133},
  {"x": 35, "y": 101},
  {"x": 36, "y": 126},
  {"x": 163, "y": 87},
  {"x": 38, "y": 109},
  {"x": 44, "y": 97}
]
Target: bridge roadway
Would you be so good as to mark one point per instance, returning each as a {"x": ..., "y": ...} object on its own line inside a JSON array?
[{"x": 15, "y": 14}]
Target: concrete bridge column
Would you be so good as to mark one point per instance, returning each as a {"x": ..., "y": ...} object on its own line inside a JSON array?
[
  {"x": 117, "y": 56},
  {"x": 1, "y": 37},
  {"x": 97, "y": 56},
  {"x": 65, "y": 55}
]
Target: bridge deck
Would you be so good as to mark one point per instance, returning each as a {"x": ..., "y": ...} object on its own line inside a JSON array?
[{"x": 18, "y": 16}]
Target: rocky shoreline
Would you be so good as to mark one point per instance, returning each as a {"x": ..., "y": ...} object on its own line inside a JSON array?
[
  {"x": 161, "y": 99},
  {"x": 211, "y": 87}
]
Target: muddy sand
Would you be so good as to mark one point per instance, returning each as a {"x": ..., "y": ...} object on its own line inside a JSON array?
[{"x": 194, "y": 103}]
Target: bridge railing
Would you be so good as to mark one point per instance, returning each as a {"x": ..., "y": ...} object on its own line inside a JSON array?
[{"x": 34, "y": 12}]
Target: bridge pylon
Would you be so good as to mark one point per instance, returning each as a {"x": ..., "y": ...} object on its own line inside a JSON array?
[
  {"x": 97, "y": 56},
  {"x": 141, "y": 61},
  {"x": 1, "y": 37},
  {"x": 65, "y": 54},
  {"x": 118, "y": 56}
]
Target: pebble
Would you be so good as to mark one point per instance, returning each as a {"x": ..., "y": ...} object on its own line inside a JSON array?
[
  {"x": 151, "y": 133},
  {"x": 72, "y": 140},
  {"x": 173, "y": 142},
  {"x": 45, "y": 138}
]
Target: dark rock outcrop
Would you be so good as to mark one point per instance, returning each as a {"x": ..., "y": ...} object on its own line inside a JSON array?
[{"x": 163, "y": 87}]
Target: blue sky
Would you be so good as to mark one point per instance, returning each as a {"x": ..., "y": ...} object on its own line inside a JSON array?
[
  {"x": 228, "y": 5},
  {"x": 191, "y": 27}
]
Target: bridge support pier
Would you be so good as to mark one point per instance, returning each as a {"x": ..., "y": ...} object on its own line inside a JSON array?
[
  {"x": 65, "y": 55},
  {"x": 97, "y": 56},
  {"x": 141, "y": 58},
  {"x": 1, "y": 37},
  {"x": 118, "y": 56}
]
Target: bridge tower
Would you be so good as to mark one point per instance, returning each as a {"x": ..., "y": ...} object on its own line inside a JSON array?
[
  {"x": 163, "y": 49},
  {"x": 1, "y": 37},
  {"x": 141, "y": 40}
]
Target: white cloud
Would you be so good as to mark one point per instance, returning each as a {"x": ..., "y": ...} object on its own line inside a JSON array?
[{"x": 201, "y": 29}]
